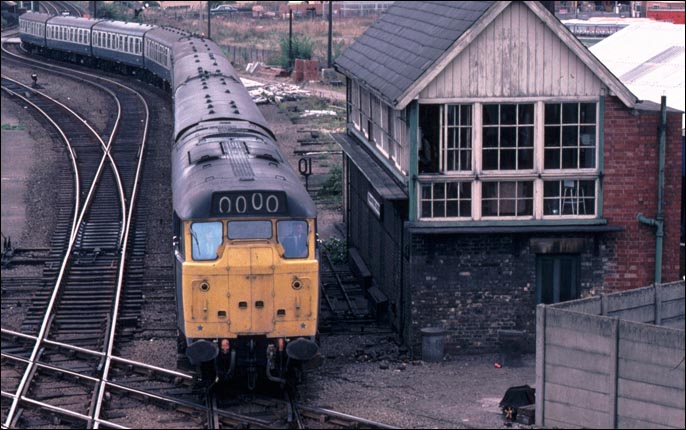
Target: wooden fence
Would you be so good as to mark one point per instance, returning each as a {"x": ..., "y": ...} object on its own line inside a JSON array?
[{"x": 615, "y": 361}]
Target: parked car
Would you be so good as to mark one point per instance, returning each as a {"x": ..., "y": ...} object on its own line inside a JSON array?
[{"x": 223, "y": 9}]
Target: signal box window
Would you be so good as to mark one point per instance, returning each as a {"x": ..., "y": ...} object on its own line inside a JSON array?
[
  {"x": 205, "y": 239},
  {"x": 292, "y": 235},
  {"x": 557, "y": 278}
]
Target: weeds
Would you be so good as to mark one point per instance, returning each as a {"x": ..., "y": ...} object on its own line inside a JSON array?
[
  {"x": 336, "y": 249},
  {"x": 332, "y": 188}
]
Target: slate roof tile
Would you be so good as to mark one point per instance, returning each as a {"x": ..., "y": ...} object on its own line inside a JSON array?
[{"x": 405, "y": 42}]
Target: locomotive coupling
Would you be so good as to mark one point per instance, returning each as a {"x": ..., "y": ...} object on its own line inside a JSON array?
[{"x": 302, "y": 349}]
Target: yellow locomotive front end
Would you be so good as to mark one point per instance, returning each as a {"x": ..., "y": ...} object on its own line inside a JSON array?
[{"x": 250, "y": 289}]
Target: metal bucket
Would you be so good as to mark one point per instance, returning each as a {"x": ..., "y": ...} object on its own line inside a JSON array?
[{"x": 433, "y": 344}]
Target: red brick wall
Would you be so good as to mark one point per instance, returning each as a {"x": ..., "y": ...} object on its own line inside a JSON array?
[{"x": 630, "y": 188}]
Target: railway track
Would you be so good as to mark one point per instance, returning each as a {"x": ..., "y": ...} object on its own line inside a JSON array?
[
  {"x": 345, "y": 308},
  {"x": 75, "y": 378},
  {"x": 82, "y": 306}
]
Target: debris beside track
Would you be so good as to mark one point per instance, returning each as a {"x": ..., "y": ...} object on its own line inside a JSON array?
[
  {"x": 319, "y": 113},
  {"x": 275, "y": 93}
]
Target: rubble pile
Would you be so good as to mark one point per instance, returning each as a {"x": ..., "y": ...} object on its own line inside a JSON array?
[{"x": 277, "y": 93}]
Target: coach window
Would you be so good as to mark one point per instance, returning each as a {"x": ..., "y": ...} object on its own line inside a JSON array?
[
  {"x": 292, "y": 235},
  {"x": 205, "y": 238}
]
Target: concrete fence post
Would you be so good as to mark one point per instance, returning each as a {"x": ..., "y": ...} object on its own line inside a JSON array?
[
  {"x": 658, "y": 304},
  {"x": 603, "y": 304},
  {"x": 614, "y": 374},
  {"x": 540, "y": 363}
]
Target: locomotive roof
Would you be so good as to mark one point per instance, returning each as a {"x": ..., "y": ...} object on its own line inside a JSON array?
[
  {"x": 194, "y": 57},
  {"x": 214, "y": 96},
  {"x": 129, "y": 28},
  {"x": 232, "y": 156}
]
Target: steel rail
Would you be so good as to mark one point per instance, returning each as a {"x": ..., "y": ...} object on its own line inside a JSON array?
[
  {"x": 122, "y": 360},
  {"x": 123, "y": 242},
  {"x": 67, "y": 257},
  {"x": 318, "y": 412},
  {"x": 122, "y": 264},
  {"x": 106, "y": 147},
  {"x": 340, "y": 284}
]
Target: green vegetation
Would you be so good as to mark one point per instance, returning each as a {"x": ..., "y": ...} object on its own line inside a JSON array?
[
  {"x": 332, "y": 188},
  {"x": 114, "y": 10},
  {"x": 13, "y": 127},
  {"x": 303, "y": 47},
  {"x": 336, "y": 249}
]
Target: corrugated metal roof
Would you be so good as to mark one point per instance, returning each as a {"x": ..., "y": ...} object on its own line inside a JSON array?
[
  {"x": 649, "y": 58},
  {"x": 405, "y": 41}
]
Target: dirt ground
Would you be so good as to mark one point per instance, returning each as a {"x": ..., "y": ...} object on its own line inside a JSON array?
[{"x": 369, "y": 376}]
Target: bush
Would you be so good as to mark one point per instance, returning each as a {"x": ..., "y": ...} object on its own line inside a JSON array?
[
  {"x": 336, "y": 249},
  {"x": 333, "y": 185},
  {"x": 303, "y": 47}
]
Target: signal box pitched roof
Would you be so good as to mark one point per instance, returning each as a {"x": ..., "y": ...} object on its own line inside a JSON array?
[{"x": 409, "y": 45}]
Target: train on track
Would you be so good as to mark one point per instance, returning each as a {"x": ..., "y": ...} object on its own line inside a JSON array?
[{"x": 245, "y": 249}]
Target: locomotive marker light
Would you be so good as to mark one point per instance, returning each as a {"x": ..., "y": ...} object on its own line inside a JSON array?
[{"x": 305, "y": 169}]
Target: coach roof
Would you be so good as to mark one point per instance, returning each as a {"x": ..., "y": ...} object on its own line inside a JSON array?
[
  {"x": 73, "y": 21},
  {"x": 129, "y": 28}
]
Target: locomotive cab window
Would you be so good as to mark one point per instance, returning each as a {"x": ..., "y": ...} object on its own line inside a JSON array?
[
  {"x": 247, "y": 230},
  {"x": 292, "y": 235},
  {"x": 205, "y": 239}
]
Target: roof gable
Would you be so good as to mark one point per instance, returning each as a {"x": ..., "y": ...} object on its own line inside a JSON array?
[
  {"x": 405, "y": 41},
  {"x": 396, "y": 60}
]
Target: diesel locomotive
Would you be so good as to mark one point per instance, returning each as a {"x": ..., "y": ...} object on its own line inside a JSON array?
[{"x": 244, "y": 248}]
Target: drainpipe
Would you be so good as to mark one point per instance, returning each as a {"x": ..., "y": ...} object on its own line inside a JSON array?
[{"x": 658, "y": 222}]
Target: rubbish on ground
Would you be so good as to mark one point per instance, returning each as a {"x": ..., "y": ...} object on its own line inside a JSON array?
[
  {"x": 319, "y": 113},
  {"x": 275, "y": 93}
]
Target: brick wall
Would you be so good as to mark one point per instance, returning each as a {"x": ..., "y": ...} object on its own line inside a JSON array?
[
  {"x": 475, "y": 285},
  {"x": 630, "y": 188}
]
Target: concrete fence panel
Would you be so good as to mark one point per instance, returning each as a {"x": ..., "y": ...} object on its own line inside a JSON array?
[
  {"x": 614, "y": 366},
  {"x": 651, "y": 376},
  {"x": 590, "y": 305}
]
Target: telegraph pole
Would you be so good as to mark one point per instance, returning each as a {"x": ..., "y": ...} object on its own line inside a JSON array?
[
  {"x": 330, "y": 30},
  {"x": 290, "y": 38}
]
